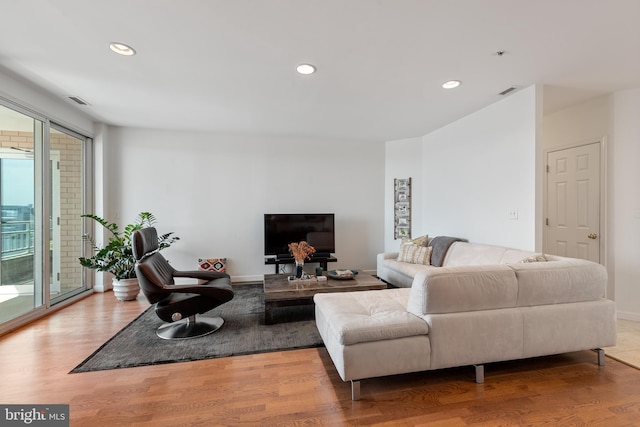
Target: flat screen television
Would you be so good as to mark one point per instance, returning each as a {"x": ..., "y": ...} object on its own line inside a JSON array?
[{"x": 282, "y": 229}]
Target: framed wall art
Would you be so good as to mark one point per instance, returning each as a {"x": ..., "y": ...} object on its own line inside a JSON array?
[{"x": 401, "y": 208}]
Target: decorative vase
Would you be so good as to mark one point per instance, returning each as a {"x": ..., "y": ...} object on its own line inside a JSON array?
[
  {"x": 126, "y": 289},
  {"x": 299, "y": 269}
]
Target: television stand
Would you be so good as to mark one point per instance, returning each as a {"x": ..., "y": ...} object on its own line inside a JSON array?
[{"x": 323, "y": 261}]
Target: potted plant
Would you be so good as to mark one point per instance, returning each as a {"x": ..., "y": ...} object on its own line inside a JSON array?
[{"x": 117, "y": 256}]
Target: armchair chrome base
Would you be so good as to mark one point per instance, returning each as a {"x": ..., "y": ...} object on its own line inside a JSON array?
[{"x": 189, "y": 328}]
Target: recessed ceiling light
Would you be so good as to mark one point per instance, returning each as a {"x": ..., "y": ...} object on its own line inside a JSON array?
[
  {"x": 306, "y": 69},
  {"x": 451, "y": 84},
  {"x": 122, "y": 49}
]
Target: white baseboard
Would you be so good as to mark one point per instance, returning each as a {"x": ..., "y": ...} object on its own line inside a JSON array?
[
  {"x": 244, "y": 279},
  {"x": 103, "y": 287},
  {"x": 627, "y": 315}
]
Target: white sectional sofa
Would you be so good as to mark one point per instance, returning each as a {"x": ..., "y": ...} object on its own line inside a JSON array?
[{"x": 483, "y": 305}]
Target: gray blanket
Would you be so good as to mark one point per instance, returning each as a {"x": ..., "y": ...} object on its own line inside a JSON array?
[{"x": 440, "y": 246}]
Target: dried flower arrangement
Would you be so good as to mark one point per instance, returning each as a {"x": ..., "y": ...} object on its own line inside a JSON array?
[{"x": 301, "y": 251}]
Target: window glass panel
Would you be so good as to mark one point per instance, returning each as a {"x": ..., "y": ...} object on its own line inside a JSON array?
[{"x": 19, "y": 291}]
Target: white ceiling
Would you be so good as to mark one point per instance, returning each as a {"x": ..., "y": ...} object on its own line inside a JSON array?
[{"x": 229, "y": 65}]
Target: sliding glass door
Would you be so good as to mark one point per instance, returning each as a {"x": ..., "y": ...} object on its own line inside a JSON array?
[
  {"x": 42, "y": 195},
  {"x": 66, "y": 155}
]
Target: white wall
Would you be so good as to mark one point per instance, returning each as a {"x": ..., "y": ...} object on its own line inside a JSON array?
[
  {"x": 613, "y": 119},
  {"x": 626, "y": 202},
  {"x": 582, "y": 123},
  {"x": 477, "y": 169},
  {"x": 403, "y": 159},
  {"x": 213, "y": 189}
]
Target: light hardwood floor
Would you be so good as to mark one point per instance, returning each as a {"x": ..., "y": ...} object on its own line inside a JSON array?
[
  {"x": 627, "y": 348},
  {"x": 298, "y": 387}
]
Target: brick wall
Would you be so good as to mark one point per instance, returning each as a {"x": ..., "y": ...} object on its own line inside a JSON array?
[{"x": 70, "y": 207}]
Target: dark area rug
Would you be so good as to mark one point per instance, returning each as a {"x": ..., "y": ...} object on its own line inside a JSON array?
[{"x": 243, "y": 332}]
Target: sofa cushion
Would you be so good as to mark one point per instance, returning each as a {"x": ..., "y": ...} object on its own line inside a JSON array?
[
  {"x": 515, "y": 255},
  {"x": 463, "y": 288},
  {"x": 462, "y": 253},
  {"x": 365, "y": 316},
  {"x": 441, "y": 246},
  {"x": 560, "y": 280},
  {"x": 415, "y": 254}
]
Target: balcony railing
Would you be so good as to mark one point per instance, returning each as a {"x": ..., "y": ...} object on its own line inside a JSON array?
[{"x": 17, "y": 238}]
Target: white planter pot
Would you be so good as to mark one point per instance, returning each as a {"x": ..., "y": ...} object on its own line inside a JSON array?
[{"x": 126, "y": 289}]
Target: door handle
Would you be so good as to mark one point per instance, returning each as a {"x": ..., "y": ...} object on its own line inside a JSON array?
[{"x": 592, "y": 235}]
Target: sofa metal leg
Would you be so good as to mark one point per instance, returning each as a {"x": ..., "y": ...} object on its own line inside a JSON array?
[
  {"x": 479, "y": 374},
  {"x": 601, "y": 359},
  {"x": 355, "y": 390}
]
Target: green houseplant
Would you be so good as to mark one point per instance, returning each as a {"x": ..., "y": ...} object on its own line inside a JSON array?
[{"x": 116, "y": 257}]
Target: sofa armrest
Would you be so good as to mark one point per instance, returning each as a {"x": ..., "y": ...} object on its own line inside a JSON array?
[
  {"x": 380, "y": 259},
  {"x": 396, "y": 273},
  {"x": 388, "y": 255}
]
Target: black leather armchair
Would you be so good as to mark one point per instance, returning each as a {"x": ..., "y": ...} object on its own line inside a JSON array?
[{"x": 178, "y": 304}]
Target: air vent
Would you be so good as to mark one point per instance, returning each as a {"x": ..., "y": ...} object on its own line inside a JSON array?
[
  {"x": 78, "y": 100},
  {"x": 506, "y": 91}
]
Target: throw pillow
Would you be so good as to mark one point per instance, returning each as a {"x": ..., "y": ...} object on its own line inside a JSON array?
[
  {"x": 213, "y": 264},
  {"x": 535, "y": 258},
  {"x": 420, "y": 241},
  {"x": 414, "y": 254},
  {"x": 404, "y": 248}
]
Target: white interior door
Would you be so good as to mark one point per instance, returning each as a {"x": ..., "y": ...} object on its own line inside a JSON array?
[{"x": 573, "y": 202}]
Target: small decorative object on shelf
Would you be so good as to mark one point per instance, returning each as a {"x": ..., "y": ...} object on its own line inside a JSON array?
[
  {"x": 307, "y": 278},
  {"x": 342, "y": 274},
  {"x": 402, "y": 208},
  {"x": 300, "y": 251}
]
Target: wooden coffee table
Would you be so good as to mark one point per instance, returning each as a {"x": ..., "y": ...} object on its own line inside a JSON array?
[{"x": 279, "y": 292}]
